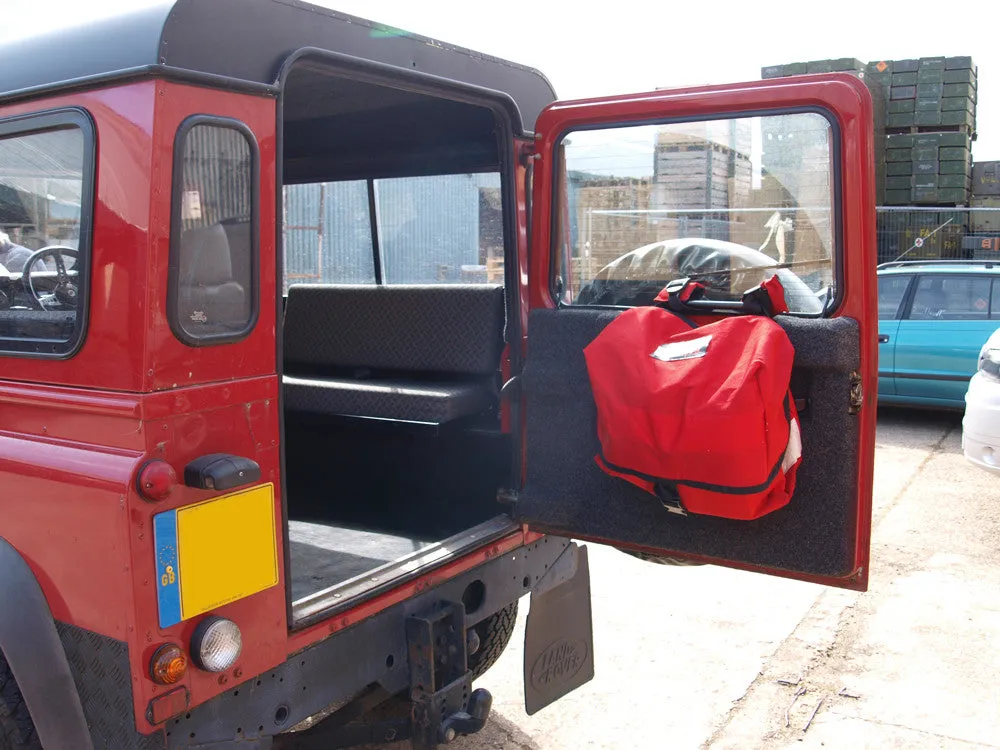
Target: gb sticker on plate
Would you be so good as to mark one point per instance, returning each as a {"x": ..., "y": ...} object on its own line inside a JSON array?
[{"x": 678, "y": 350}]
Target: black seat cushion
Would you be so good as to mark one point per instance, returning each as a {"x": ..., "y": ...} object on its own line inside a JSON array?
[
  {"x": 453, "y": 329},
  {"x": 405, "y": 400}
]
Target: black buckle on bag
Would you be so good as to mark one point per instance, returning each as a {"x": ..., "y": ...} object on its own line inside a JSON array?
[{"x": 669, "y": 497}]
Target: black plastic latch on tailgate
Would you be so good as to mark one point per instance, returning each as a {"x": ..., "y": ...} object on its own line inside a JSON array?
[{"x": 221, "y": 471}]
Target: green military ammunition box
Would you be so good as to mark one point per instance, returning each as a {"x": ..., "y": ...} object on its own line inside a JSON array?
[
  {"x": 959, "y": 63},
  {"x": 902, "y": 105},
  {"x": 927, "y": 119},
  {"x": 952, "y": 181},
  {"x": 930, "y": 75},
  {"x": 954, "y": 167},
  {"x": 960, "y": 76},
  {"x": 958, "y": 118},
  {"x": 958, "y": 89},
  {"x": 898, "y": 154},
  {"x": 954, "y": 154},
  {"x": 955, "y": 104}
]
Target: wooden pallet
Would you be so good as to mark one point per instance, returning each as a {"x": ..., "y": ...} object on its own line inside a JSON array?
[{"x": 930, "y": 129}]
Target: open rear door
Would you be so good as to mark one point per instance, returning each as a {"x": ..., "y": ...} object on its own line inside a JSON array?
[{"x": 731, "y": 184}]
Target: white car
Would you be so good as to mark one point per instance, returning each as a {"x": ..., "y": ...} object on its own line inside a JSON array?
[{"x": 981, "y": 424}]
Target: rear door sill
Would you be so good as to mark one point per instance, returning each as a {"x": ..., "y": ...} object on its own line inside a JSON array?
[{"x": 331, "y": 601}]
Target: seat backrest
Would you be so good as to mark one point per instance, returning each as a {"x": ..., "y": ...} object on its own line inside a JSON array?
[{"x": 455, "y": 329}]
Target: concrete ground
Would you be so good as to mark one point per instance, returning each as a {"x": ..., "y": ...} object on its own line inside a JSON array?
[{"x": 714, "y": 658}]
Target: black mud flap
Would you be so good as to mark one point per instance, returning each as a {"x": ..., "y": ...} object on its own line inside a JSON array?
[{"x": 559, "y": 634}]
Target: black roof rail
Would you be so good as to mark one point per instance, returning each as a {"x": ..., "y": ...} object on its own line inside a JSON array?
[{"x": 936, "y": 262}]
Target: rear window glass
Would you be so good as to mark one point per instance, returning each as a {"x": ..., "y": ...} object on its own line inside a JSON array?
[
  {"x": 438, "y": 229},
  {"x": 728, "y": 202},
  {"x": 45, "y": 194},
  {"x": 213, "y": 232},
  {"x": 951, "y": 298}
]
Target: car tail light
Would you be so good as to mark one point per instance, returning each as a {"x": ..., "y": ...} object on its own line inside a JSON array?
[
  {"x": 216, "y": 644},
  {"x": 169, "y": 664},
  {"x": 156, "y": 480}
]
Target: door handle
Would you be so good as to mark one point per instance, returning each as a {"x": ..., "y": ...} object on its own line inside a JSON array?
[{"x": 883, "y": 338}]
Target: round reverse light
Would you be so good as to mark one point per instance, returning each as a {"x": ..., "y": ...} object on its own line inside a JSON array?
[
  {"x": 168, "y": 665},
  {"x": 216, "y": 644}
]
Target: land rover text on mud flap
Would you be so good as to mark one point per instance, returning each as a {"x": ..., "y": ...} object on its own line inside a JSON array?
[{"x": 293, "y": 413}]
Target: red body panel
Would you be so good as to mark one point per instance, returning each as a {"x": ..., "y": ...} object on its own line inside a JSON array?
[{"x": 848, "y": 100}]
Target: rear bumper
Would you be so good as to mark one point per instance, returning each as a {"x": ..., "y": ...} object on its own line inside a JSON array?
[
  {"x": 981, "y": 424},
  {"x": 373, "y": 652}
]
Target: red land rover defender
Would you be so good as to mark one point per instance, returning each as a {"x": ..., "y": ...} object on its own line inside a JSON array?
[{"x": 293, "y": 404}]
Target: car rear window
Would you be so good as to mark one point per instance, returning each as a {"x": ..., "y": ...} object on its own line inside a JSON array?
[{"x": 46, "y": 192}]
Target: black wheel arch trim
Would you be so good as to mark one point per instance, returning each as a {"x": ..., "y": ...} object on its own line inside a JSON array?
[{"x": 37, "y": 659}]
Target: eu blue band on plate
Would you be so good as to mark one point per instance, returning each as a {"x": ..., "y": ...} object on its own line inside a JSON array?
[{"x": 168, "y": 575}]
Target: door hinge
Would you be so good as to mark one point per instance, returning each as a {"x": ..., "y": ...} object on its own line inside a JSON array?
[{"x": 857, "y": 393}]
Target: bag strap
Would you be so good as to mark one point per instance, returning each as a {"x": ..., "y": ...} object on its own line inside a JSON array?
[{"x": 686, "y": 295}]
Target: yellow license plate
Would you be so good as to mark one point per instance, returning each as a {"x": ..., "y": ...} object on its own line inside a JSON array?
[{"x": 215, "y": 552}]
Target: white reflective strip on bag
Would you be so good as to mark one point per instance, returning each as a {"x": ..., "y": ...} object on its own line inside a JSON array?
[{"x": 793, "y": 452}]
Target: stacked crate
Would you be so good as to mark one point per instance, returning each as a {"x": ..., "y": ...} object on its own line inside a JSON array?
[
  {"x": 700, "y": 171},
  {"x": 878, "y": 79},
  {"x": 933, "y": 93},
  {"x": 931, "y": 112},
  {"x": 928, "y": 169},
  {"x": 984, "y": 218}
]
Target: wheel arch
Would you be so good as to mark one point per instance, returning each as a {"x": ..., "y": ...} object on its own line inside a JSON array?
[{"x": 36, "y": 657}]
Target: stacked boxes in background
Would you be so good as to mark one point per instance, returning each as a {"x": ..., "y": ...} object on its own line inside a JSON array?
[
  {"x": 925, "y": 122},
  {"x": 931, "y": 110},
  {"x": 984, "y": 218},
  {"x": 878, "y": 85},
  {"x": 701, "y": 165},
  {"x": 928, "y": 169},
  {"x": 932, "y": 92}
]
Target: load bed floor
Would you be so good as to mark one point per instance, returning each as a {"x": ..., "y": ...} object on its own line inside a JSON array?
[{"x": 325, "y": 556}]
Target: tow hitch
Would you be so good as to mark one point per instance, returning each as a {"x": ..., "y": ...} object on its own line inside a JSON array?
[{"x": 443, "y": 705}]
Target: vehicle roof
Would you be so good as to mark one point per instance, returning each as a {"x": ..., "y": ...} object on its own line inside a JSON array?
[
  {"x": 941, "y": 266},
  {"x": 247, "y": 40}
]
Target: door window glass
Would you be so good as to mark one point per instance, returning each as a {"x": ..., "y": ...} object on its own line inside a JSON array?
[
  {"x": 951, "y": 298},
  {"x": 891, "y": 290},
  {"x": 727, "y": 202}
]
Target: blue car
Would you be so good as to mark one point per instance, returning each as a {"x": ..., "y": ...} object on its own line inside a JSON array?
[{"x": 934, "y": 317}]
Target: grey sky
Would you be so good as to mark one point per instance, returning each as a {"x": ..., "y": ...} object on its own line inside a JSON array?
[{"x": 594, "y": 49}]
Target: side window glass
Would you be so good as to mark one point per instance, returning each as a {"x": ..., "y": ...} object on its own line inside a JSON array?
[
  {"x": 328, "y": 234},
  {"x": 995, "y": 303},
  {"x": 434, "y": 229},
  {"x": 441, "y": 229},
  {"x": 213, "y": 256},
  {"x": 951, "y": 298},
  {"x": 891, "y": 290},
  {"x": 727, "y": 202},
  {"x": 45, "y": 197}
]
